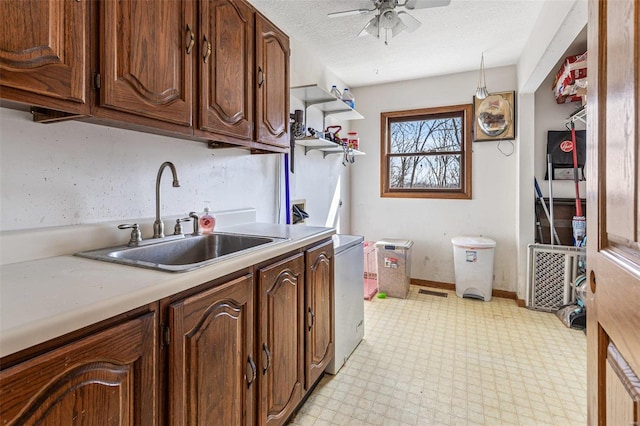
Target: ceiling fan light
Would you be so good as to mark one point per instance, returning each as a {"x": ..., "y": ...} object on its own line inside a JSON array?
[
  {"x": 410, "y": 22},
  {"x": 388, "y": 19},
  {"x": 371, "y": 28},
  {"x": 398, "y": 28}
]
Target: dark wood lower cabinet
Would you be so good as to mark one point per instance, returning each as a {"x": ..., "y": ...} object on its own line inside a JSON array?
[
  {"x": 319, "y": 332},
  {"x": 212, "y": 374},
  {"x": 108, "y": 378},
  {"x": 281, "y": 295},
  {"x": 238, "y": 352}
]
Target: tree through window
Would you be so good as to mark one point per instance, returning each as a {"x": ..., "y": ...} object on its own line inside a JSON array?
[{"x": 426, "y": 153}]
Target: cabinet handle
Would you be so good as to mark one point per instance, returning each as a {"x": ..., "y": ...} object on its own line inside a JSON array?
[
  {"x": 191, "y": 40},
  {"x": 265, "y": 348},
  {"x": 207, "y": 50},
  {"x": 312, "y": 320},
  {"x": 260, "y": 77},
  {"x": 252, "y": 366}
]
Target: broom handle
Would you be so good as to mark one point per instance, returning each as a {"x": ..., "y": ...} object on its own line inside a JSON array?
[{"x": 550, "y": 172}]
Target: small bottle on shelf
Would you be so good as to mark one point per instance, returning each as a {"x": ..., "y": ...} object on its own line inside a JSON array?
[
  {"x": 207, "y": 221},
  {"x": 335, "y": 92},
  {"x": 348, "y": 98}
]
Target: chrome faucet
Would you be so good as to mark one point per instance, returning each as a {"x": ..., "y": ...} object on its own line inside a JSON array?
[{"x": 158, "y": 225}]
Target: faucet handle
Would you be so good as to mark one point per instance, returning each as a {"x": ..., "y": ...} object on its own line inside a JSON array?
[
  {"x": 196, "y": 223},
  {"x": 136, "y": 235},
  {"x": 177, "y": 230}
]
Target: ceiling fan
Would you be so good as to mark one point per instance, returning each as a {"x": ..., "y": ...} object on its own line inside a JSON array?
[{"x": 387, "y": 18}]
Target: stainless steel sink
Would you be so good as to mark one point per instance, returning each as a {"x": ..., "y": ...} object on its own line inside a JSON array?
[{"x": 185, "y": 254}]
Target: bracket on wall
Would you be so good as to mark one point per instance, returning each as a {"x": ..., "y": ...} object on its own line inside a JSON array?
[{"x": 44, "y": 115}]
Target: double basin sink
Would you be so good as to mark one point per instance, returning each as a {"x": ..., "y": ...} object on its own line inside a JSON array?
[{"x": 183, "y": 254}]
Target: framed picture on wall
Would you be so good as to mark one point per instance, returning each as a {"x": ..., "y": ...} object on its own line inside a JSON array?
[{"x": 494, "y": 117}]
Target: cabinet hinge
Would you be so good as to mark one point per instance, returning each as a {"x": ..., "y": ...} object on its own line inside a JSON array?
[
  {"x": 96, "y": 80},
  {"x": 166, "y": 335}
]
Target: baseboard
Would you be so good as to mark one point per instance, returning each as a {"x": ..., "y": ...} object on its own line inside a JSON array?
[{"x": 449, "y": 286}]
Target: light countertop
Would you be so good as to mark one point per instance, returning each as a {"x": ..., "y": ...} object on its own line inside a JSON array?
[{"x": 45, "y": 298}]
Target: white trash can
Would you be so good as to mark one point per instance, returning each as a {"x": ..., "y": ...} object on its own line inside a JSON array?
[
  {"x": 394, "y": 267},
  {"x": 473, "y": 262}
]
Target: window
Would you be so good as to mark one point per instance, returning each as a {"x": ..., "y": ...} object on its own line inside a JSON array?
[{"x": 426, "y": 153}]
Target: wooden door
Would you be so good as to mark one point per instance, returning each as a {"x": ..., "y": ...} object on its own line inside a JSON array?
[
  {"x": 272, "y": 84},
  {"x": 146, "y": 59},
  {"x": 43, "y": 53},
  {"x": 281, "y": 323},
  {"x": 226, "y": 68},
  {"x": 211, "y": 367},
  {"x": 108, "y": 378},
  {"x": 319, "y": 338},
  {"x": 613, "y": 201}
]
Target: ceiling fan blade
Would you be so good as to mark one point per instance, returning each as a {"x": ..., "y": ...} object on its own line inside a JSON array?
[
  {"x": 424, "y": 4},
  {"x": 349, "y": 13},
  {"x": 411, "y": 23}
]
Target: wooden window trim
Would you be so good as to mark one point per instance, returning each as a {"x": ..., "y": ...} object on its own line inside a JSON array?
[{"x": 467, "y": 123}]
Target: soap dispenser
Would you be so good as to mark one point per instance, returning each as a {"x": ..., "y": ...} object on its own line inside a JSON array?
[{"x": 207, "y": 221}]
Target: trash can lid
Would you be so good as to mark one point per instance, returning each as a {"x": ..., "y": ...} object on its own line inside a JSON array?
[
  {"x": 478, "y": 242},
  {"x": 392, "y": 244}
]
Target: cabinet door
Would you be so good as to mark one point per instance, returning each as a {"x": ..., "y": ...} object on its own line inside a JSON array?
[
  {"x": 43, "y": 48},
  {"x": 106, "y": 378},
  {"x": 146, "y": 59},
  {"x": 212, "y": 372},
  {"x": 281, "y": 337},
  {"x": 319, "y": 337},
  {"x": 272, "y": 84},
  {"x": 226, "y": 68}
]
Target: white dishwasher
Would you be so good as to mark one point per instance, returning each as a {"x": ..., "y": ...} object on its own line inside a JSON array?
[{"x": 348, "y": 297}]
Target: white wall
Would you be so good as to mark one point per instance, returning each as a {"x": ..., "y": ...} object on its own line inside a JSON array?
[
  {"x": 76, "y": 173},
  {"x": 323, "y": 183},
  {"x": 431, "y": 223}
]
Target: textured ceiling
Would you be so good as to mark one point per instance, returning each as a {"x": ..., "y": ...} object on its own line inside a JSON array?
[{"x": 450, "y": 39}]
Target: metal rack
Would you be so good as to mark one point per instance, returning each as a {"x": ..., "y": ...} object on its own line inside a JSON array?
[
  {"x": 578, "y": 115},
  {"x": 316, "y": 97}
]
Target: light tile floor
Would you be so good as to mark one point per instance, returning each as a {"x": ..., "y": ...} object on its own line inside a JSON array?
[{"x": 430, "y": 360}]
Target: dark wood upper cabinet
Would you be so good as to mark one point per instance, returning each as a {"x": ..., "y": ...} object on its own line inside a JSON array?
[
  {"x": 212, "y": 373},
  {"x": 272, "y": 84},
  {"x": 109, "y": 377},
  {"x": 280, "y": 339},
  {"x": 319, "y": 333},
  {"x": 226, "y": 68},
  {"x": 43, "y": 53},
  {"x": 145, "y": 56}
]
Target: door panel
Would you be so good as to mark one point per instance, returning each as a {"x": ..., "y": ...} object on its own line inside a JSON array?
[
  {"x": 211, "y": 356},
  {"x": 272, "y": 84},
  {"x": 613, "y": 251},
  {"x": 43, "y": 48},
  {"x": 145, "y": 67},
  {"x": 226, "y": 103},
  {"x": 281, "y": 339},
  {"x": 106, "y": 378},
  {"x": 319, "y": 349}
]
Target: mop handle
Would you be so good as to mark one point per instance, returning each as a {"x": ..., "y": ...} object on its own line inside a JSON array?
[
  {"x": 546, "y": 211},
  {"x": 575, "y": 169}
]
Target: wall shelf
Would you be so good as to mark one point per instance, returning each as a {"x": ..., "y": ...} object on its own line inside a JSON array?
[
  {"x": 324, "y": 101},
  {"x": 325, "y": 146},
  {"x": 315, "y": 97}
]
